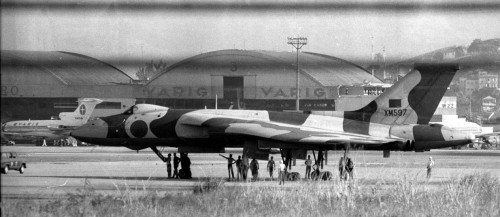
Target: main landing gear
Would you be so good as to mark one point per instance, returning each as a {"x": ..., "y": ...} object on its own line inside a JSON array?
[
  {"x": 157, "y": 152},
  {"x": 286, "y": 156},
  {"x": 185, "y": 172}
]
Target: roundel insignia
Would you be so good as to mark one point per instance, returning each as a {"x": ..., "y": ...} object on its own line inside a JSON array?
[
  {"x": 139, "y": 129},
  {"x": 83, "y": 109},
  {"x": 234, "y": 67}
]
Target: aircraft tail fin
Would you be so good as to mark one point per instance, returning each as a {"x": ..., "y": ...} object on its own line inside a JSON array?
[
  {"x": 412, "y": 100},
  {"x": 82, "y": 113}
]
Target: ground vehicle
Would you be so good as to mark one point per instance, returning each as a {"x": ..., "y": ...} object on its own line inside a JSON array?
[{"x": 10, "y": 162}]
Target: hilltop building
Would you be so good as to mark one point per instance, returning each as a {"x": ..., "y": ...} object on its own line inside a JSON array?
[
  {"x": 488, "y": 104},
  {"x": 477, "y": 80},
  {"x": 487, "y": 80}
]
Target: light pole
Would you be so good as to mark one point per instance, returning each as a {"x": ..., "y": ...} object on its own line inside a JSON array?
[{"x": 297, "y": 43}]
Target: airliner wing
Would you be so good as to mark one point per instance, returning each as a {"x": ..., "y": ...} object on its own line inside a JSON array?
[
  {"x": 35, "y": 135},
  {"x": 287, "y": 133}
]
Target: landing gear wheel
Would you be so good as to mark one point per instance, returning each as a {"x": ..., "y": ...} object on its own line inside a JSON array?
[
  {"x": 5, "y": 170},
  {"x": 185, "y": 174},
  {"x": 21, "y": 170},
  {"x": 315, "y": 175},
  {"x": 182, "y": 174}
]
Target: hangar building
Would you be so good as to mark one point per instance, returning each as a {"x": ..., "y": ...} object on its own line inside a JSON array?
[{"x": 38, "y": 85}]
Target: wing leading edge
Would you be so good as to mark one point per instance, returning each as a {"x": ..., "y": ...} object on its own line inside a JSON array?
[{"x": 217, "y": 124}]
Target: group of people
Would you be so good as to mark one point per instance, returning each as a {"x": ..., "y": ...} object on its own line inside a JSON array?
[
  {"x": 346, "y": 167},
  {"x": 281, "y": 170},
  {"x": 61, "y": 142},
  {"x": 242, "y": 167},
  {"x": 185, "y": 163}
]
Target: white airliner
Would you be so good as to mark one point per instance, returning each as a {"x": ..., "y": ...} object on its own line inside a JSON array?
[
  {"x": 52, "y": 129},
  {"x": 460, "y": 124},
  {"x": 482, "y": 134}
]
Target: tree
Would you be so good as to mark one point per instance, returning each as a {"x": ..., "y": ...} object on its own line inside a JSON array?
[
  {"x": 475, "y": 46},
  {"x": 483, "y": 47},
  {"x": 150, "y": 70}
]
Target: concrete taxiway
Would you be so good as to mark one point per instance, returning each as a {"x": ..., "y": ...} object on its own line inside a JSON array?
[{"x": 54, "y": 172}]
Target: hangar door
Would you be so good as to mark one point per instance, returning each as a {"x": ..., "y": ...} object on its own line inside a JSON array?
[{"x": 233, "y": 88}]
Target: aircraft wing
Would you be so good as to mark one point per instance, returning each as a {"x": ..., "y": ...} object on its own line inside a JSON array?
[
  {"x": 274, "y": 131},
  {"x": 35, "y": 135}
]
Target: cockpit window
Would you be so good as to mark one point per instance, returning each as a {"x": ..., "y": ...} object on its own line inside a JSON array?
[
  {"x": 130, "y": 110},
  {"x": 143, "y": 108}
]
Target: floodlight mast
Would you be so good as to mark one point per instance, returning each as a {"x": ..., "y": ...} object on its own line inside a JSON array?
[{"x": 297, "y": 43}]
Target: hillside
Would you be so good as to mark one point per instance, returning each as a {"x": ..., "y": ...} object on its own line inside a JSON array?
[{"x": 484, "y": 55}]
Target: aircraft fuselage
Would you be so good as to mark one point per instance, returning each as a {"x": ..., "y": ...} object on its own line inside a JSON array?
[{"x": 170, "y": 127}]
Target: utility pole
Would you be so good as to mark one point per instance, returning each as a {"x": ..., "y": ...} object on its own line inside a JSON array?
[
  {"x": 142, "y": 56},
  {"x": 373, "y": 60},
  {"x": 297, "y": 43},
  {"x": 383, "y": 55}
]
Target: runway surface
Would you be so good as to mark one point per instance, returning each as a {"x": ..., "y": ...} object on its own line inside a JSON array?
[{"x": 54, "y": 172}]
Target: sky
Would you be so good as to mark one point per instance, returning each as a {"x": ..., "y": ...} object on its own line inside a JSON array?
[{"x": 110, "y": 31}]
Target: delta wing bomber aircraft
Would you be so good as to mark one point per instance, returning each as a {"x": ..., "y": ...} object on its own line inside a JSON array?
[{"x": 397, "y": 120}]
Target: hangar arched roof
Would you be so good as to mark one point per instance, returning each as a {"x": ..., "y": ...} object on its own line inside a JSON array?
[
  {"x": 68, "y": 68},
  {"x": 324, "y": 69}
]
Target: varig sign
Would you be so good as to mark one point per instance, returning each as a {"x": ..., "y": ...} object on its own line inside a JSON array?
[
  {"x": 176, "y": 92},
  {"x": 250, "y": 93},
  {"x": 10, "y": 91},
  {"x": 290, "y": 93}
]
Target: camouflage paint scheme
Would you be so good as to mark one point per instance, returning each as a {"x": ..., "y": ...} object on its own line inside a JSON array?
[{"x": 396, "y": 120}]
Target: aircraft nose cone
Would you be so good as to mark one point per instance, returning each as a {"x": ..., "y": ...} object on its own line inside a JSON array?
[{"x": 95, "y": 129}]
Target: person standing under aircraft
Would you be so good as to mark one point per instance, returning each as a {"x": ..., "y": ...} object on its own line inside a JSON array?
[
  {"x": 244, "y": 168},
  {"x": 176, "y": 165},
  {"x": 186, "y": 166},
  {"x": 254, "y": 166},
  {"x": 315, "y": 172},
  {"x": 230, "y": 162},
  {"x": 308, "y": 167},
  {"x": 282, "y": 173},
  {"x": 350, "y": 168},
  {"x": 270, "y": 167},
  {"x": 321, "y": 159},
  {"x": 342, "y": 169},
  {"x": 239, "y": 165},
  {"x": 169, "y": 165},
  {"x": 430, "y": 165}
]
